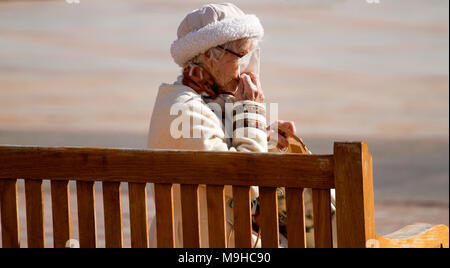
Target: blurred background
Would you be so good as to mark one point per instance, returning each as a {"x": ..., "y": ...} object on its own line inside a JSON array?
[{"x": 87, "y": 74}]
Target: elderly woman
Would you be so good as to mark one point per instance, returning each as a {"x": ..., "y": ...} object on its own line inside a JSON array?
[{"x": 217, "y": 48}]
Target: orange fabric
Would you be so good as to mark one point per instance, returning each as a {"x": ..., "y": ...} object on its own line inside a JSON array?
[{"x": 201, "y": 81}]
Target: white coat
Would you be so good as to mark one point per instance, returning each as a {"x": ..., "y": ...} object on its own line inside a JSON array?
[{"x": 213, "y": 139}]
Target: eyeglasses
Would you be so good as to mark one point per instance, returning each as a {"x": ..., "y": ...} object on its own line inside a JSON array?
[{"x": 232, "y": 52}]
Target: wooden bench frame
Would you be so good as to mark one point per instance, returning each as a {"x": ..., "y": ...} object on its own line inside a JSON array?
[{"x": 348, "y": 170}]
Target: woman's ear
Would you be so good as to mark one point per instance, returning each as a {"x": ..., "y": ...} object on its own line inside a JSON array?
[{"x": 207, "y": 63}]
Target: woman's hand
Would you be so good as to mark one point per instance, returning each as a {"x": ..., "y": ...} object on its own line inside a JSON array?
[
  {"x": 282, "y": 137},
  {"x": 249, "y": 88}
]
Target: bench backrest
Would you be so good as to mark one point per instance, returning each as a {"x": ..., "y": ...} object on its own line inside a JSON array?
[{"x": 348, "y": 171}]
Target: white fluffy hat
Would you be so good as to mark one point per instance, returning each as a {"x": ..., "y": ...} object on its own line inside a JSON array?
[{"x": 210, "y": 26}]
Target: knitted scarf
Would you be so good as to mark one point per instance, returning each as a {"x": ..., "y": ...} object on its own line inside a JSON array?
[{"x": 201, "y": 81}]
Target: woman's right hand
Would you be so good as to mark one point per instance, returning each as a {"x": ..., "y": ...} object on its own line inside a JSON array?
[{"x": 249, "y": 88}]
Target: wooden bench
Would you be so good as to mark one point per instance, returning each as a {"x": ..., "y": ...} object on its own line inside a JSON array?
[{"x": 348, "y": 170}]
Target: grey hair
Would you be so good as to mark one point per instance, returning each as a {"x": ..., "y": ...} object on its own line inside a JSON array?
[{"x": 216, "y": 53}]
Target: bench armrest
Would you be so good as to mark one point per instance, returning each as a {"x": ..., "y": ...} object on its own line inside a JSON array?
[{"x": 417, "y": 235}]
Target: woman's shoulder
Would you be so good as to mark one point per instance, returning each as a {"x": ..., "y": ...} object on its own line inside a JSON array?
[
  {"x": 172, "y": 94},
  {"x": 170, "y": 100}
]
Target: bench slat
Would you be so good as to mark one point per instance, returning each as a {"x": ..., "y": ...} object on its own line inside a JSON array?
[
  {"x": 86, "y": 214},
  {"x": 191, "y": 216},
  {"x": 164, "y": 215},
  {"x": 159, "y": 166},
  {"x": 35, "y": 213},
  {"x": 60, "y": 213},
  {"x": 269, "y": 217},
  {"x": 215, "y": 196},
  {"x": 295, "y": 208},
  {"x": 242, "y": 217},
  {"x": 9, "y": 213},
  {"x": 322, "y": 218},
  {"x": 137, "y": 194},
  {"x": 112, "y": 207}
]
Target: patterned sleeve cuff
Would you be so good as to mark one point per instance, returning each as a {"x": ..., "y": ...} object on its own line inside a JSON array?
[{"x": 249, "y": 114}]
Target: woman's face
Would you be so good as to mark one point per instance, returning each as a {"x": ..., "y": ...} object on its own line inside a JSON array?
[{"x": 226, "y": 70}]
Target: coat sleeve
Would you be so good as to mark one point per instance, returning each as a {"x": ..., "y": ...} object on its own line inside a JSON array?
[{"x": 206, "y": 132}]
